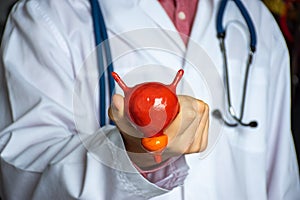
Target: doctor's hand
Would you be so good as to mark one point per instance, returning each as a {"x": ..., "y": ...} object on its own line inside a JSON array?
[{"x": 188, "y": 133}]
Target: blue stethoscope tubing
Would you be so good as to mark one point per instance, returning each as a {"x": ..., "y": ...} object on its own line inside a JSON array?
[
  {"x": 101, "y": 37},
  {"x": 244, "y": 12}
]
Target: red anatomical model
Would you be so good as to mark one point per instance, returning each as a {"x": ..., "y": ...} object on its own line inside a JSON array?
[{"x": 151, "y": 107}]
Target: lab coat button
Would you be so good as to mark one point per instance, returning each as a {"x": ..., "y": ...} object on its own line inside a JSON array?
[{"x": 181, "y": 15}]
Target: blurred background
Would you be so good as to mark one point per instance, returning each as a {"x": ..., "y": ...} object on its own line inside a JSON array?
[{"x": 287, "y": 14}]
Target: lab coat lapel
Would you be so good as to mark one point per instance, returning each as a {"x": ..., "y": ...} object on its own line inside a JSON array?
[
  {"x": 202, "y": 20},
  {"x": 154, "y": 10},
  {"x": 204, "y": 32}
]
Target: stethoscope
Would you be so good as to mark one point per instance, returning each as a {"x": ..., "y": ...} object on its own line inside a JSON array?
[
  {"x": 101, "y": 36},
  {"x": 221, "y": 33}
]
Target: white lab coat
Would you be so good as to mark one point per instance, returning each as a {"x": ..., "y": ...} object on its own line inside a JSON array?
[{"x": 45, "y": 45}]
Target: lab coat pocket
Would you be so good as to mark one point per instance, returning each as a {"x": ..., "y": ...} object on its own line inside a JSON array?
[{"x": 248, "y": 138}]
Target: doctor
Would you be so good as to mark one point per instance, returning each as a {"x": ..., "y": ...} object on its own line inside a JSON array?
[{"x": 50, "y": 151}]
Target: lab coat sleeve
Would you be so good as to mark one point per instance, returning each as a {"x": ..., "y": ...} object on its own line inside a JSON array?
[
  {"x": 282, "y": 168},
  {"x": 42, "y": 154}
]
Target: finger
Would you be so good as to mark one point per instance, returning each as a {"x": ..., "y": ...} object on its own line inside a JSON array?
[
  {"x": 201, "y": 132},
  {"x": 201, "y": 141},
  {"x": 183, "y": 142},
  {"x": 204, "y": 141},
  {"x": 184, "y": 119},
  {"x": 116, "y": 114}
]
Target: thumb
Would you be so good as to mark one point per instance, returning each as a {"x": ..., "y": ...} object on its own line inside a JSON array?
[
  {"x": 117, "y": 114},
  {"x": 116, "y": 110}
]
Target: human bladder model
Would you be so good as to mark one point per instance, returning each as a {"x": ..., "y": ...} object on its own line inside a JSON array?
[{"x": 151, "y": 107}]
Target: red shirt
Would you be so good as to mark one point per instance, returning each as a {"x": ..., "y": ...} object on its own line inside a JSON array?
[{"x": 182, "y": 14}]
